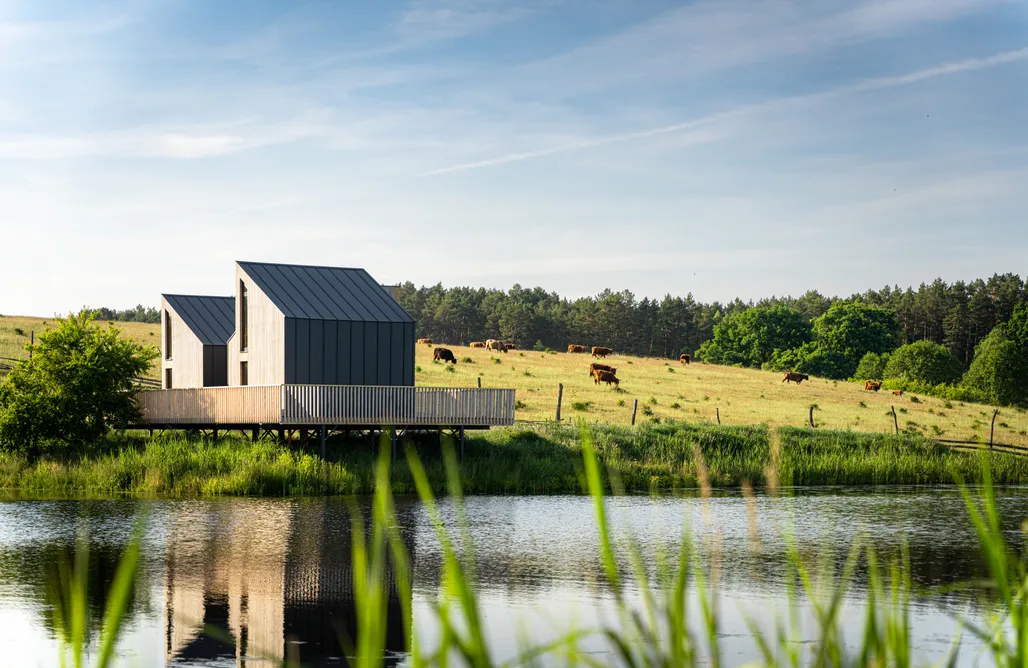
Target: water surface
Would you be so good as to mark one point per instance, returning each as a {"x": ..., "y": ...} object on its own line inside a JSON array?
[{"x": 269, "y": 579}]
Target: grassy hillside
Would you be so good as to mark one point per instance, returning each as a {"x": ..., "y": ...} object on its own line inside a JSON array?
[
  {"x": 692, "y": 393},
  {"x": 743, "y": 396},
  {"x": 15, "y": 331}
]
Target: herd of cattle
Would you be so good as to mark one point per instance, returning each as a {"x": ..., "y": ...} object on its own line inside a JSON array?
[{"x": 601, "y": 373}]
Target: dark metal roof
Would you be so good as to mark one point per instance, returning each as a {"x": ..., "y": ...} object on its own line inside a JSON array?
[
  {"x": 211, "y": 319},
  {"x": 325, "y": 293}
]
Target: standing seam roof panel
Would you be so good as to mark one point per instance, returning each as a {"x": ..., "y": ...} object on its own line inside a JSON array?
[
  {"x": 362, "y": 310},
  {"x": 210, "y": 319},
  {"x": 325, "y": 293},
  {"x": 390, "y": 303},
  {"x": 315, "y": 292}
]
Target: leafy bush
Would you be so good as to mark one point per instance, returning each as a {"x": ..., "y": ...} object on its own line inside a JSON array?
[
  {"x": 519, "y": 404},
  {"x": 999, "y": 372},
  {"x": 750, "y": 337},
  {"x": 467, "y": 360},
  {"x": 76, "y": 386},
  {"x": 811, "y": 359},
  {"x": 646, "y": 410},
  {"x": 854, "y": 329},
  {"x": 923, "y": 362},
  {"x": 951, "y": 392},
  {"x": 581, "y": 405},
  {"x": 871, "y": 367}
]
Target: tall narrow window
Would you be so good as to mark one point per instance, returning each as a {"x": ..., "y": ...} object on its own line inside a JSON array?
[
  {"x": 167, "y": 335},
  {"x": 167, "y": 379},
  {"x": 244, "y": 374},
  {"x": 243, "y": 324}
]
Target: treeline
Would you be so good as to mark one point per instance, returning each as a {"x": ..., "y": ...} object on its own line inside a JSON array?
[
  {"x": 957, "y": 315},
  {"x": 138, "y": 314}
]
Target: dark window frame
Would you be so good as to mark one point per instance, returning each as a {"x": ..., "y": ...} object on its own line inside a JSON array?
[
  {"x": 244, "y": 317},
  {"x": 167, "y": 334},
  {"x": 244, "y": 373},
  {"x": 167, "y": 380}
]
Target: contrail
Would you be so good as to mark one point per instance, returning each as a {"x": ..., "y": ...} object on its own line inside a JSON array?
[{"x": 877, "y": 83}]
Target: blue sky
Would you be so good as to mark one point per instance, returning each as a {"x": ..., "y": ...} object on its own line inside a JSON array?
[{"x": 720, "y": 147}]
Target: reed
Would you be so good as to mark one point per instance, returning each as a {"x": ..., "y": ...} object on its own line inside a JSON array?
[{"x": 541, "y": 460}]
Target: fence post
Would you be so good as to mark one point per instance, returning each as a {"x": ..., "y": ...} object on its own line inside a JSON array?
[
  {"x": 462, "y": 445},
  {"x": 717, "y": 412},
  {"x": 479, "y": 382},
  {"x": 992, "y": 432},
  {"x": 635, "y": 407},
  {"x": 324, "y": 437},
  {"x": 812, "y": 417},
  {"x": 895, "y": 420},
  {"x": 392, "y": 438},
  {"x": 560, "y": 397},
  {"x": 32, "y": 342}
]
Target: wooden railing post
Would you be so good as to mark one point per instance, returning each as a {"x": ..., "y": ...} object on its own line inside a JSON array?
[
  {"x": 895, "y": 420},
  {"x": 560, "y": 397},
  {"x": 717, "y": 413},
  {"x": 635, "y": 407}
]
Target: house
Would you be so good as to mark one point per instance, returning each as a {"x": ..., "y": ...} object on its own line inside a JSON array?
[
  {"x": 302, "y": 347},
  {"x": 299, "y": 324},
  {"x": 194, "y": 340}
]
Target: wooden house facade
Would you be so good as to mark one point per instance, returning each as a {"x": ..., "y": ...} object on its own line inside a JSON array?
[{"x": 194, "y": 340}]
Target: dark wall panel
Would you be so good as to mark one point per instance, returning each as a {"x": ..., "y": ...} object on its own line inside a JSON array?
[
  {"x": 396, "y": 353},
  {"x": 303, "y": 350},
  {"x": 343, "y": 353},
  {"x": 409, "y": 342},
  {"x": 384, "y": 348},
  {"x": 357, "y": 353},
  {"x": 317, "y": 360},
  {"x": 371, "y": 353},
  {"x": 215, "y": 366},
  {"x": 330, "y": 377},
  {"x": 290, "y": 358}
]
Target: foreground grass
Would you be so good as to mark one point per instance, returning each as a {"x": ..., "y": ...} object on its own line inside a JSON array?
[{"x": 544, "y": 460}]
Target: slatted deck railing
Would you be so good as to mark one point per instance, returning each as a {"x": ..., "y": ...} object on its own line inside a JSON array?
[{"x": 351, "y": 405}]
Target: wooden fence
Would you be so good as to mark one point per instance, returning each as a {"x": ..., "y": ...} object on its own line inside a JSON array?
[{"x": 349, "y": 405}]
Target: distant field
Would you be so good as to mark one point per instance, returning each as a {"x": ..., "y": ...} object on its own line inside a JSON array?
[
  {"x": 15, "y": 333},
  {"x": 743, "y": 396}
]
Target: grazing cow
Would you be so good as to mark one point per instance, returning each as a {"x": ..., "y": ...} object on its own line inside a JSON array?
[
  {"x": 478, "y": 344},
  {"x": 602, "y": 352},
  {"x": 594, "y": 367},
  {"x": 444, "y": 355},
  {"x": 495, "y": 344},
  {"x": 509, "y": 346},
  {"x": 897, "y": 393},
  {"x": 793, "y": 377},
  {"x": 607, "y": 377},
  {"x": 685, "y": 358},
  {"x": 428, "y": 341},
  {"x": 872, "y": 385},
  {"x": 576, "y": 349}
]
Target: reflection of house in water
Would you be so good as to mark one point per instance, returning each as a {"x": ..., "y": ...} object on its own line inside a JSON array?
[{"x": 268, "y": 575}]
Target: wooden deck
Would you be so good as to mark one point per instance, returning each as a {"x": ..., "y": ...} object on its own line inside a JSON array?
[{"x": 332, "y": 405}]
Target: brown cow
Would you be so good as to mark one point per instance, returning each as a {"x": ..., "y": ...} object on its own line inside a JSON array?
[
  {"x": 793, "y": 377},
  {"x": 602, "y": 352},
  {"x": 607, "y": 377},
  {"x": 576, "y": 349},
  {"x": 509, "y": 346},
  {"x": 872, "y": 385},
  {"x": 685, "y": 358},
  {"x": 478, "y": 344},
  {"x": 428, "y": 341},
  {"x": 594, "y": 367},
  {"x": 444, "y": 355},
  {"x": 495, "y": 344},
  {"x": 897, "y": 393}
]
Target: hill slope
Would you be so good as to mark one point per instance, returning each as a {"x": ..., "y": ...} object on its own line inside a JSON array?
[{"x": 742, "y": 396}]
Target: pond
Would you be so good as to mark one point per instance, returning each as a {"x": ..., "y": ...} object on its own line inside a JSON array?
[{"x": 232, "y": 581}]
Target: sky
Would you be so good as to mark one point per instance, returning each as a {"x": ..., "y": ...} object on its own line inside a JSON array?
[{"x": 724, "y": 148}]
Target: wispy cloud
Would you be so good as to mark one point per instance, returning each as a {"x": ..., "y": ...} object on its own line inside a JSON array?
[
  {"x": 433, "y": 20},
  {"x": 706, "y": 122}
]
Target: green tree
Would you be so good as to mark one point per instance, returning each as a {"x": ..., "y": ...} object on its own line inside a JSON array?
[
  {"x": 854, "y": 329},
  {"x": 871, "y": 367},
  {"x": 924, "y": 362},
  {"x": 76, "y": 386},
  {"x": 999, "y": 371},
  {"x": 811, "y": 358},
  {"x": 751, "y": 337}
]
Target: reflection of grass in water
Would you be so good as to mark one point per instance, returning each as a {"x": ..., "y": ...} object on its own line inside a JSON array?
[{"x": 656, "y": 630}]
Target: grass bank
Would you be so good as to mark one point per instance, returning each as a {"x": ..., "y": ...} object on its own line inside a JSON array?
[{"x": 544, "y": 460}]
